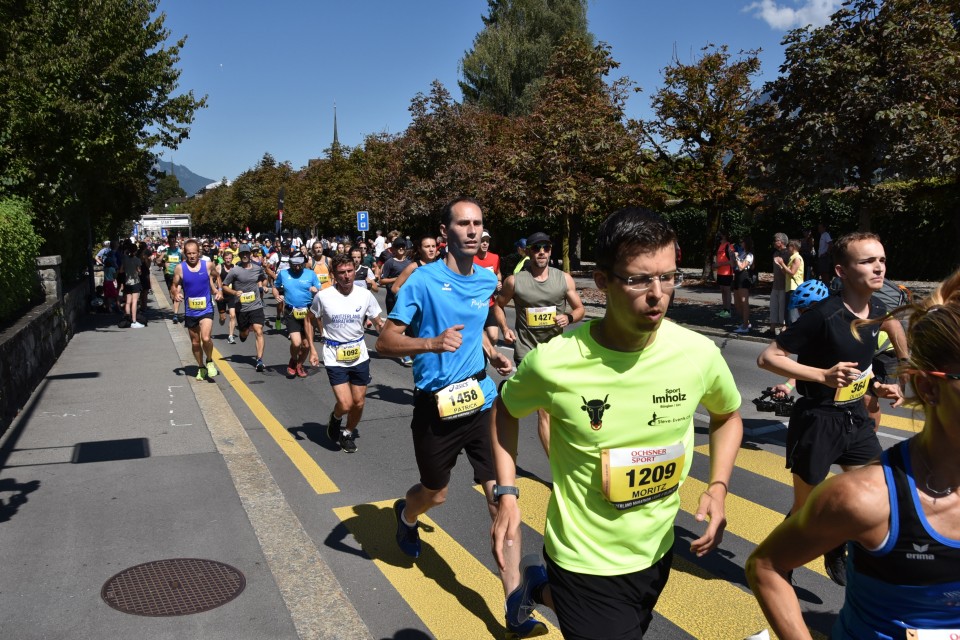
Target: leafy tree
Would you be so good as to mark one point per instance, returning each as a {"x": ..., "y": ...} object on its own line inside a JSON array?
[
  {"x": 212, "y": 210},
  {"x": 444, "y": 153},
  {"x": 255, "y": 194},
  {"x": 381, "y": 185},
  {"x": 700, "y": 134},
  {"x": 870, "y": 97},
  {"x": 506, "y": 67},
  {"x": 576, "y": 157},
  {"x": 86, "y": 90},
  {"x": 324, "y": 196},
  {"x": 168, "y": 187}
]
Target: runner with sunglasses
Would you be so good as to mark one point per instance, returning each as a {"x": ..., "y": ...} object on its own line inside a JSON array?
[{"x": 546, "y": 301}]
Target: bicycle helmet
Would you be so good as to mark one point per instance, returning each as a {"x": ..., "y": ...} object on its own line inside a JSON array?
[{"x": 808, "y": 293}]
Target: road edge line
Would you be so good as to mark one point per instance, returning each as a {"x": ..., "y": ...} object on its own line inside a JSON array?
[{"x": 308, "y": 586}]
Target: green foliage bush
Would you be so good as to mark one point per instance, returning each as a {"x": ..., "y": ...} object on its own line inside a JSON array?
[{"x": 19, "y": 246}]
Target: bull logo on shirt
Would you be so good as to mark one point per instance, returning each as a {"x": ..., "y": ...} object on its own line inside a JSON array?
[{"x": 595, "y": 409}]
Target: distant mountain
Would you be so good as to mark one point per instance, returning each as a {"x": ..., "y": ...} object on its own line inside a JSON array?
[{"x": 189, "y": 181}]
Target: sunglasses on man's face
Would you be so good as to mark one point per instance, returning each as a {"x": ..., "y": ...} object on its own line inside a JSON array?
[{"x": 537, "y": 248}]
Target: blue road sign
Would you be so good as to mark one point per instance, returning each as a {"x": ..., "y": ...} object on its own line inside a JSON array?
[{"x": 363, "y": 221}]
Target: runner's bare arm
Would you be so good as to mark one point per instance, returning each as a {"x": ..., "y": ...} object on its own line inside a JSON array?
[
  {"x": 399, "y": 280},
  {"x": 505, "y": 294},
  {"x": 214, "y": 281},
  {"x": 850, "y": 506},
  {"x": 726, "y": 434},
  {"x": 394, "y": 342},
  {"x": 500, "y": 362},
  {"x": 312, "y": 323},
  {"x": 175, "y": 293},
  {"x": 777, "y": 360},
  {"x": 506, "y": 525},
  {"x": 577, "y": 309}
]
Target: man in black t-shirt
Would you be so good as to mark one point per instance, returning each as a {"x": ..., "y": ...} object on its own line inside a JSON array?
[{"x": 829, "y": 424}]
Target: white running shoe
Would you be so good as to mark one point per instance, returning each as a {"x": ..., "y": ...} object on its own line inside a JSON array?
[{"x": 136, "y": 325}]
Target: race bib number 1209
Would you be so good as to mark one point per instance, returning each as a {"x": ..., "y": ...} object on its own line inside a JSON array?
[{"x": 633, "y": 476}]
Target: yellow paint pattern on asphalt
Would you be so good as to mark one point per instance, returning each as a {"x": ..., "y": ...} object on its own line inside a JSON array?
[
  {"x": 305, "y": 464},
  {"x": 763, "y": 463},
  {"x": 719, "y": 610},
  {"x": 910, "y": 426},
  {"x": 454, "y": 594}
]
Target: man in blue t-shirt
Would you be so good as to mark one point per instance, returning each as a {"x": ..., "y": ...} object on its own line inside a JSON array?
[
  {"x": 294, "y": 288},
  {"x": 438, "y": 318}
]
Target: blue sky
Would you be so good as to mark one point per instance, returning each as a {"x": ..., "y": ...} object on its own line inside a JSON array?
[{"x": 272, "y": 71}]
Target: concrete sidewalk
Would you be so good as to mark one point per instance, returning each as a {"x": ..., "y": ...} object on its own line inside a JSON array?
[{"x": 122, "y": 458}]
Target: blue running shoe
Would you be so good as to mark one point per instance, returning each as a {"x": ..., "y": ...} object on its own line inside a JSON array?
[
  {"x": 407, "y": 537},
  {"x": 530, "y": 628},
  {"x": 520, "y": 604}
]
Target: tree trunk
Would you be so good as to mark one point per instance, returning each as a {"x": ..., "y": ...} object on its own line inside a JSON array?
[
  {"x": 709, "y": 238},
  {"x": 566, "y": 240}
]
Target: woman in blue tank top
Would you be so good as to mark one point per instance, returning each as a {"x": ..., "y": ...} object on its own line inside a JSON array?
[{"x": 900, "y": 515}]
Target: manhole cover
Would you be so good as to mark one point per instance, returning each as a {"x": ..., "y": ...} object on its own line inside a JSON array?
[{"x": 173, "y": 587}]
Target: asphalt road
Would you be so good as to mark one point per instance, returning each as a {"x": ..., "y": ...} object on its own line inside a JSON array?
[{"x": 344, "y": 503}]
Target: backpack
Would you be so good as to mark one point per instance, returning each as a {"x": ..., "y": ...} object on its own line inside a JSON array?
[{"x": 891, "y": 294}]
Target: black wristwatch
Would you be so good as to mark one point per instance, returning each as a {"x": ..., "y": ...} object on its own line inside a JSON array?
[{"x": 504, "y": 491}]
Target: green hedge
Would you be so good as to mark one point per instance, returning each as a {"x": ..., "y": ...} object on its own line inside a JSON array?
[{"x": 19, "y": 247}]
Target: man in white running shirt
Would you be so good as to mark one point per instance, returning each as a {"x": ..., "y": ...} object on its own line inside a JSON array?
[{"x": 341, "y": 311}]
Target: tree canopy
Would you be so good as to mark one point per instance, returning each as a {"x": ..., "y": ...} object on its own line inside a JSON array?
[
  {"x": 872, "y": 96},
  {"x": 506, "y": 67},
  {"x": 86, "y": 92},
  {"x": 700, "y": 133}
]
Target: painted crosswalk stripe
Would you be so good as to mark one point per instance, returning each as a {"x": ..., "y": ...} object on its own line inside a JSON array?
[
  {"x": 453, "y": 593},
  {"x": 706, "y": 616},
  {"x": 763, "y": 463},
  {"x": 305, "y": 464}
]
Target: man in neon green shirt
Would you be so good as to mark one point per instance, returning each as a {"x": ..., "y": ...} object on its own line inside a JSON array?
[{"x": 621, "y": 392}]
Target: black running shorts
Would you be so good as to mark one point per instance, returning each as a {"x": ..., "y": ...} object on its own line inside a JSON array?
[
  {"x": 246, "y": 319},
  {"x": 437, "y": 443},
  {"x": 593, "y": 607},
  {"x": 820, "y": 435},
  {"x": 192, "y": 322}
]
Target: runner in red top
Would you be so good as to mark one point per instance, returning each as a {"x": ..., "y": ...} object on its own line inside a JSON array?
[{"x": 495, "y": 318}]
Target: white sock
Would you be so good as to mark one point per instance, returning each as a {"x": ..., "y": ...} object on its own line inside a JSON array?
[{"x": 403, "y": 518}]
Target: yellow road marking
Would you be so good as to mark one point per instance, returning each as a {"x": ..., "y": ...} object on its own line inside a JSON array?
[
  {"x": 760, "y": 462},
  {"x": 302, "y": 460},
  {"x": 453, "y": 593},
  {"x": 910, "y": 425},
  {"x": 720, "y": 610},
  {"x": 745, "y": 519}
]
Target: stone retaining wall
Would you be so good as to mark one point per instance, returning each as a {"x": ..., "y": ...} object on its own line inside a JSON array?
[{"x": 30, "y": 347}]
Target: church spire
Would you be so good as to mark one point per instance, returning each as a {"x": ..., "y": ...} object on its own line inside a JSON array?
[{"x": 336, "y": 141}]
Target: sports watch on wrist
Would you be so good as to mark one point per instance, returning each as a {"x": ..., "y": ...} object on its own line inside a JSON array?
[{"x": 504, "y": 491}]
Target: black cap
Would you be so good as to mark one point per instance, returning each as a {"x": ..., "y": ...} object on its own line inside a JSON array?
[{"x": 539, "y": 236}]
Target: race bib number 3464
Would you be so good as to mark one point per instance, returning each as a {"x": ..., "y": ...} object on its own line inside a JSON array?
[{"x": 633, "y": 476}]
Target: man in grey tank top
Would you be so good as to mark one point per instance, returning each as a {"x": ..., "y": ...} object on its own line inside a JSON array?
[{"x": 546, "y": 301}]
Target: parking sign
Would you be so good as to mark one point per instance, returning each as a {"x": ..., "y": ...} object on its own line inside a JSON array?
[{"x": 363, "y": 221}]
